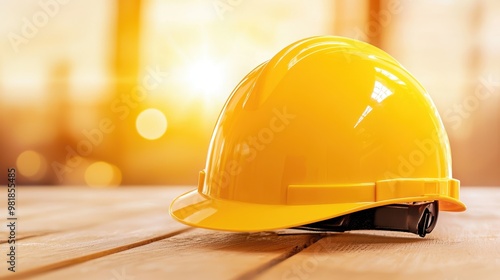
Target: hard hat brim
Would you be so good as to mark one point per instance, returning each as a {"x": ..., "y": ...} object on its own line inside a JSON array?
[{"x": 195, "y": 209}]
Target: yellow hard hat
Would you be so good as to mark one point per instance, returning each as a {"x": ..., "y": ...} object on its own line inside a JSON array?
[{"x": 330, "y": 134}]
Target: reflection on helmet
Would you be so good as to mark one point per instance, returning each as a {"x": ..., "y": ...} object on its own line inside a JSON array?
[{"x": 330, "y": 134}]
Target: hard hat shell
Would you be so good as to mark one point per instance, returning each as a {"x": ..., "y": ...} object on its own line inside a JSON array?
[{"x": 327, "y": 127}]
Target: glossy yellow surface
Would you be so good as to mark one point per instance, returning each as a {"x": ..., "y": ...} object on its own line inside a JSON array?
[{"x": 328, "y": 126}]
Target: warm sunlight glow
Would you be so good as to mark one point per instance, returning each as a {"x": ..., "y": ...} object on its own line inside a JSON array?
[
  {"x": 204, "y": 78},
  {"x": 151, "y": 124},
  {"x": 102, "y": 174}
]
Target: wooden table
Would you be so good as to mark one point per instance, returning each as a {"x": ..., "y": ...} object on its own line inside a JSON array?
[{"x": 126, "y": 233}]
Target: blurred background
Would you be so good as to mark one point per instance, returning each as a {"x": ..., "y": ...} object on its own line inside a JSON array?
[{"x": 127, "y": 92}]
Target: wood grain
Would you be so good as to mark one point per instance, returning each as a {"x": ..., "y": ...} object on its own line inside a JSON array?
[
  {"x": 49, "y": 210},
  {"x": 197, "y": 254},
  {"x": 127, "y": 234},
  {"x": 463, "y": 246},
  {"x": 105, "y": 225}
]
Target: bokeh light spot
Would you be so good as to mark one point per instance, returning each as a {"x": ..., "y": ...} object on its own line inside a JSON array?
[
  {"x": 102, "y": 174},
  {"x": 151, "y": 124},
  {"x": 30, "y": 164}
]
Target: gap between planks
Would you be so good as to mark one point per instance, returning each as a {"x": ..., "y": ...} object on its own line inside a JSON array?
[
  {"x": 264, "y": 267},
  {"x": 85, "y": 258}
]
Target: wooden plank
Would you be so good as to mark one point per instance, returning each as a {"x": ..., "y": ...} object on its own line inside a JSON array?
[
  {"x": 92, "y": 236},
  {"x": 36, "y": 201},
  {"x": 52, "y": 251},
  {"x": 44, "y": 210},
  {"x": 197, "y": 254},
  {"x": 277, "y": 255},
  {"x": 151, "y": 245},
  {"x": 463, "y": 246}
]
